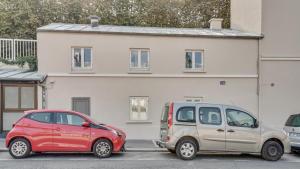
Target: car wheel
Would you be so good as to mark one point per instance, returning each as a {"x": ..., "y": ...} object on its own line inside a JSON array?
[
  {"x": 102, "y": 148},
  {"x": 172, "y": 151},
  {"x": 19, "y": 148},
  {"x": 186, "y": 149},
  {"x": 272, "y": 151}
]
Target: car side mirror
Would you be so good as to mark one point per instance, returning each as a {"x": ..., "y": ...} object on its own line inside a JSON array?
[
  {"x": 256, "y": 124},
  {"x": 85, "y": 124}
]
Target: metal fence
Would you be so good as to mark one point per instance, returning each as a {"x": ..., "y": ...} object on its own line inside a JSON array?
[{"x": 11, "y": 49}]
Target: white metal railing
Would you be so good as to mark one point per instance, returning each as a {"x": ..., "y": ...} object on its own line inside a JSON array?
[{"x": 10, "y": 49}]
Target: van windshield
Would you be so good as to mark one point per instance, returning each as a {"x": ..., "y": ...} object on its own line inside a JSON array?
[
  {"x": 164, "y": 117},
  {"x": 293, "y": 121}
]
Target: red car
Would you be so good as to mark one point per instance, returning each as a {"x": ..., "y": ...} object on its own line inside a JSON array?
[{"x": 62, "y": 131}]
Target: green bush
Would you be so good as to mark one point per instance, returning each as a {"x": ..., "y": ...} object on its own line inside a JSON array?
[{"x": 21, "y": 61}]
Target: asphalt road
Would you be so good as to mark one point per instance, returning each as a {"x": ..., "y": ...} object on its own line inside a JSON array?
[{"x": 149, "y": 160}]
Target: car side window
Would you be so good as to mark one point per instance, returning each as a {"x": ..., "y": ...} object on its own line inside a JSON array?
[
  {"x": 186, "y": 114},
  {"x": 43, "y": 117},
  {"x": 69, "y": 119},
  {"x": 210, "y": 115},
  {"x": 239, "y": 118}
]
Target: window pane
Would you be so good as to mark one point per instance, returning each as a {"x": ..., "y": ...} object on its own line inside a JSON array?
[
  {"x": 11, "y": 97},
  {"x": 69, "y": 119},
  {"x": 139, "y": 108},
  {"x": 134, "y": 58},
  {"x": 188, "y": 60},
  {"x": 186, "y": 114},
  {"x": 144, "y": 59},
  {"x": 198, "y": 60},
  {"x": 77, "y": 57},
  {"x": 239, "y": 118},
  {"x": 210, "y": 115},
  {"x": 41, "y": 117},
  {"x": 87, "y": 57},
  {"x": 27, "y": 97}
]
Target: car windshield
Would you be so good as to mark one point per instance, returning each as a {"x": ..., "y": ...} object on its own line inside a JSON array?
[{"x": 293, "y": 121}]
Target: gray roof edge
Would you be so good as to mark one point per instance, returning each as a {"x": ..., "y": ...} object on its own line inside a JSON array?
[
  {"x": 52, "y": 27},
  {"x": 157, "y": 34}
]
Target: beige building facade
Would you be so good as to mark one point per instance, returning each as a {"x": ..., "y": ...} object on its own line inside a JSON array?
[
  {"x": 279, "y": 63},
  {"x": 123, "y": 75},
  {"x": 227, "y": 73}
]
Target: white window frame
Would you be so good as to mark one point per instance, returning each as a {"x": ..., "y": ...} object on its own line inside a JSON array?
[
  {"x": 82, "y": 67},
  {"x": 193, "y": 69},
  {"x": 130, "y": 107},
  {"x": 139, "y": 67}
]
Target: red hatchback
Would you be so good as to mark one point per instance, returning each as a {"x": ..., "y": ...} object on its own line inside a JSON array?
[{"x": 62, "y": 131}]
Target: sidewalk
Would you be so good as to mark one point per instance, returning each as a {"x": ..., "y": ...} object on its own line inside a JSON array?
[{"x": 130, "y": 146}]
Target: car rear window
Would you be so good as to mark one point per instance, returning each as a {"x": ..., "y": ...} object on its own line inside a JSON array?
[
  {"x": 293, "y": 121},
  {"x": 164, "y": 116},
  {"x": 186, "y": 114},
  {"x": 44, "y": 117}
]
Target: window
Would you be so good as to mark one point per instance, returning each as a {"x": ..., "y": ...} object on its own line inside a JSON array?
[
  {"x": 81, "y": 58},
  {"x": 186, "y": 114},
  {"x": 19, "y": 97},
  {"x": 139, "y": 108},
  {"x": 139, "y": 59},
  {"x": 210, "y": 115},
  {"x": 69, "y": 119},
  {"x": 293, "y": 121},
  {"x": 81, "y": 104},
  {"x": 239, "y": 119},
  {"x": 44, "y": 117},
  {"x": 194, "y": 60}
]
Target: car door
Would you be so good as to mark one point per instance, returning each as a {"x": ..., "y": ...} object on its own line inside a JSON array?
[
  {"x": 211, "y": 127},
  {"x": 242, "y": 134},
  {"x": 69, "y": 134},
  {"x": 39, "y": 126}
]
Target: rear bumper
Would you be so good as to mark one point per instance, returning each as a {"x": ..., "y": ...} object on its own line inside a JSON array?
[{"x": 160, "y": 144}]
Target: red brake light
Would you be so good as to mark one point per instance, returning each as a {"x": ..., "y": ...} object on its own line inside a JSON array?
[{"x": 170, "y": 115}]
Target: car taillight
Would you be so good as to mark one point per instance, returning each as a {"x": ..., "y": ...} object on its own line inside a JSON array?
[{"x": 170, "y": 115}]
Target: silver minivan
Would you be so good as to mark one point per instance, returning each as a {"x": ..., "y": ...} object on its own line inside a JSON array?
[
  {"x": 187, "y": 128},
  {"x": 292, "y": 127}
]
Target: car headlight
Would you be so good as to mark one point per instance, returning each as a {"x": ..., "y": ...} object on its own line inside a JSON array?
[{"x": 116, "y": 132}]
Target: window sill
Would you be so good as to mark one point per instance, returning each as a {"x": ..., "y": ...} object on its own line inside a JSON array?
[
  {"x": 139, "y": 72},
  {"x": 194, "y": 71},
  {"x": 82, "y": 71},
  {"x": 139, "y": 122}
]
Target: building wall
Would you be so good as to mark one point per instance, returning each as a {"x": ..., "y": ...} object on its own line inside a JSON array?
[
  {"x": 110, "y": 84},
  {"x": 280, "y": 61},
  {"x": 246, "y": 15},
  {"x": 111, "y": 53},
  {"x": 110, "y": 97}
]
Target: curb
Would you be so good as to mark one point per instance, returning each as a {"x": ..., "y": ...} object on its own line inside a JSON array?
[
  {"x": 145, "y": 150},
  {"x": 127, "y": 150}
]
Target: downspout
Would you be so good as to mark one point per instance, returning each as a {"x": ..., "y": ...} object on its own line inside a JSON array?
[{"x": 44, "y": 92}]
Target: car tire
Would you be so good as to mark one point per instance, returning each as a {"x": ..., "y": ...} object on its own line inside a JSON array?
[
  {"x": 102, "y": 148},
  {"x": 272, "y": 151},
  {"x": 172, "y": 151},
  {"x": 186, "y": 149},
  {"x": 19, "y": 148}
]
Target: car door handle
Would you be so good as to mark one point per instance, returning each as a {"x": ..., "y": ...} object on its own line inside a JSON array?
[
  {"x": 220, "y": 130},
  {"x": 230, "y": 131}
]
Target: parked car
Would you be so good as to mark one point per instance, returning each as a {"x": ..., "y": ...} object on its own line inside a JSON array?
[
  {"x": 292, "y": 127},
  {"x": 187, "y": 128},
  {"x": 62, "y": 131}
]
